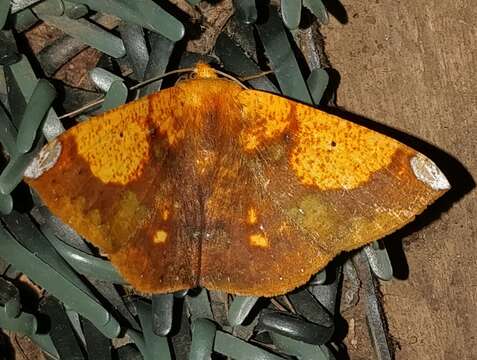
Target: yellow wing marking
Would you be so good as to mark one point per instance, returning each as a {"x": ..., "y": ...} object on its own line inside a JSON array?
[
  {"x": 115, "y": 144},
  {"x": 332, "y": 153}
]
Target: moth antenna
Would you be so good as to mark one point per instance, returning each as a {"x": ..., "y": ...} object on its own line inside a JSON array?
[
  {"x": 146, "y": 82},
  {"x": 81, "y": 109},
  {"x": 159, "y": 77},
  {"x": 256, "y": 76},
  {"x": 230, "y": 77},
  {"x": 134, "y": 87}
]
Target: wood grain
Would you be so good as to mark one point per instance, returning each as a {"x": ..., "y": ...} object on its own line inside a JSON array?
[{"x": 412, "y": 65}]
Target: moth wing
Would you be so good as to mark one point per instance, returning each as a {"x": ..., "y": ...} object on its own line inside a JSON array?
[
  {"x": 110, "y": 179},
  {"x": 308, "y": 186}
]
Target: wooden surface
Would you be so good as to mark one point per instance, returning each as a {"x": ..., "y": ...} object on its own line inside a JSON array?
[{"x": 411, "y": 65}]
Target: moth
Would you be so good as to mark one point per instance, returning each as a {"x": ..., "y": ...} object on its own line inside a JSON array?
[{"x": 210, "y": 184}]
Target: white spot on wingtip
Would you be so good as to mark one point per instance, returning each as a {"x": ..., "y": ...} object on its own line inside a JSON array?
[
  {"x": 428, "y": 172},
  {"x": 44, "y": 161}
]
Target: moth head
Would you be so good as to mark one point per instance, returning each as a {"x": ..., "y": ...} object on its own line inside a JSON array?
[{"x": 204, "y": 71}]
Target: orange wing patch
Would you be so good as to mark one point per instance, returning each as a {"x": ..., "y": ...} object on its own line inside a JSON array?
[
  {"x": 259, "y": 240},
  {"x": 160, "y": 237},
  {"x": 332, "y": 153},
  {"x": 168, "y": 119},
  {"x": 165, "y": 184},
  {"x": 252, "y": 216},
  {"x": 165, "y": 214},
  {"x": 266, "y": 117}
]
